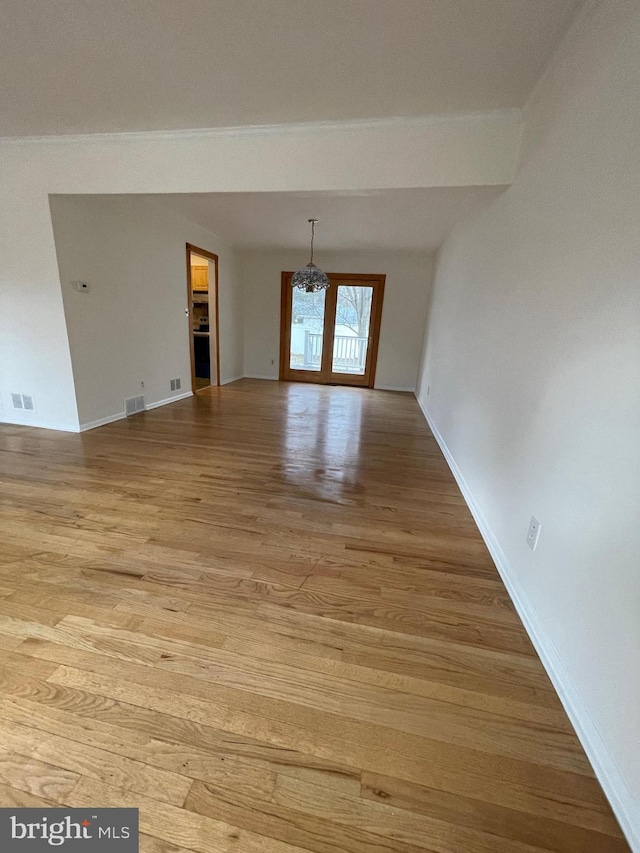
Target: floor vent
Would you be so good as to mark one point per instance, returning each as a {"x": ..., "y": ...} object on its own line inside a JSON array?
[
  {"x": 24, "y": 402},
  {"x": 134, "y": 405},
  {"x": 176, "y": 384}
]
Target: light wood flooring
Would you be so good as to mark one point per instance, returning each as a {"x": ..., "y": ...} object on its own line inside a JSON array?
[{"x": 265, "y": 617}]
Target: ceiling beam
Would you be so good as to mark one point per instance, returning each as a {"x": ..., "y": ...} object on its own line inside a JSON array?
[{"x": 473, "y": 149}]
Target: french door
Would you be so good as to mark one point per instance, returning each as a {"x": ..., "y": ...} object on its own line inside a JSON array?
[{"x": 331, "y": 337}]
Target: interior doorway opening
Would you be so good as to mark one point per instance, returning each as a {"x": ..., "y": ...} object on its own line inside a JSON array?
[{"x": 202, "y": 292}]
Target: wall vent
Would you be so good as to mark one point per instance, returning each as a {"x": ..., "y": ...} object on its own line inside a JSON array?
[
  {"x": 176, "y": 384},
  {"x": 134, "y": 405},
  {"x": 25, "y": 402}
]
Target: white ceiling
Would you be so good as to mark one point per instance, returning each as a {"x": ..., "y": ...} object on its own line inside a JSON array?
[
  {"x": 369, "y": 220},
  {"x": 79, "y": 66}
]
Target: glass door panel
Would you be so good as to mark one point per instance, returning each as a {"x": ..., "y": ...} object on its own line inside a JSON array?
[
  {"x": 307, "y": 325},
  {"x": 351, "y": 330}
]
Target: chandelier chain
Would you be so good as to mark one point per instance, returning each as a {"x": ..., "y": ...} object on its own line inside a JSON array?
[{"x": 313, "y": 233}]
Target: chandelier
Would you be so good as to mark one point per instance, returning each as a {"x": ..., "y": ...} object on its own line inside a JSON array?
[{"x": 310, "y": 278}]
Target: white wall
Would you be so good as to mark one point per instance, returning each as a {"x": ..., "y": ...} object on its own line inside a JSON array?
[
  {"x": 403, "y": 313},
  {"x": 231, "y": 316},
  {"x": 469, "y": 150},
  {"x": 34, "y": 349},
  {"x": 130, "y": 327},
  {"x": 532, "y": 356}
]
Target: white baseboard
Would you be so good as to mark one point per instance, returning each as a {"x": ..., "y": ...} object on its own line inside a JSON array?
[
  {"x": 168, "y": 400},
  {"x": 394, "y": 388},
  {"x": 625, "y": 806},
  {"x": 231, "y": 379},
  {"x": 256, "y": 376},
  {"x": 102, "y": 421},
  {"x": 109, "y": 419},
  {"x": 41, "y": 425}
]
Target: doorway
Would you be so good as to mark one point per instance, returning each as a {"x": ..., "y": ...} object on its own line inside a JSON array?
[
  {"x": 331, "y": 337},
  {"x": 202, "y": 292}
]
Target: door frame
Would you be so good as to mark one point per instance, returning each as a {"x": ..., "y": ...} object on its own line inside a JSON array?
[
  {"x": 211, "y": 257},
  {"x": 325, "y": 376}
]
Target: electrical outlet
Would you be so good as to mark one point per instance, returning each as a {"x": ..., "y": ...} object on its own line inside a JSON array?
[
  {"x": 273, "y": 361},
  {"x": 534, "y": 533},
  {"x": 428, "y": 390}
]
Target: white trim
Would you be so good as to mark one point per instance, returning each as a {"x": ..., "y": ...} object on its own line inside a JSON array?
[
  {"x": 168, "y": 400},
  {"x": 41, "y": 425},
  {"x": 626, "y": 808},
  {"x": 256, "y": 376},
  {"x": 513, "y": 115},
  {"x": 231, "y": 379},
  {"x": 393, "y": 388},
  {"x": 121, "y": 415},
  {"x": 102, "y": 421}
]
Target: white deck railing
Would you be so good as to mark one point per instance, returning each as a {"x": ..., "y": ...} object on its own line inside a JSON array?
[{"x": 349, "y": 353}]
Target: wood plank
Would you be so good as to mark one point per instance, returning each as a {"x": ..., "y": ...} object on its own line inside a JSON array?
[
  {"x": 392, "y": 824},
  {"x": 179, "y": 827},
  {"x": 287, "y": 825},
  {"x": 522, "y": 786},
  {"x": 553, "y": 716},
  {"x": 173, "y": 743},
  {"x": 183, "y": 765},
  {"x": 83, "y": 759},
  {"x": 35, "y": 777},
  {"x": 14, "y": 798},
  {"x": 495, "y": 820}
]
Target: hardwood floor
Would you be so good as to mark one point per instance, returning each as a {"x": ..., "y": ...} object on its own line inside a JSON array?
[{"x": 265, "y": 617}]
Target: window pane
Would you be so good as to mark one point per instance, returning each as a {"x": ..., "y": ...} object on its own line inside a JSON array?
[
  {"x": 353, "y": 315},
  {"x": 307, "y": 322}
]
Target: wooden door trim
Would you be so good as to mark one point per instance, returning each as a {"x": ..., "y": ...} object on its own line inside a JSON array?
[
  {"x": 328, "y": 334},
  {"x": 376, "y": 322},
  {"x": 325, "y": 375},
  {"x": 285, "y": 323},
  {"x": 192, "y": 357},
  {"x": 212, "y": 257}
]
